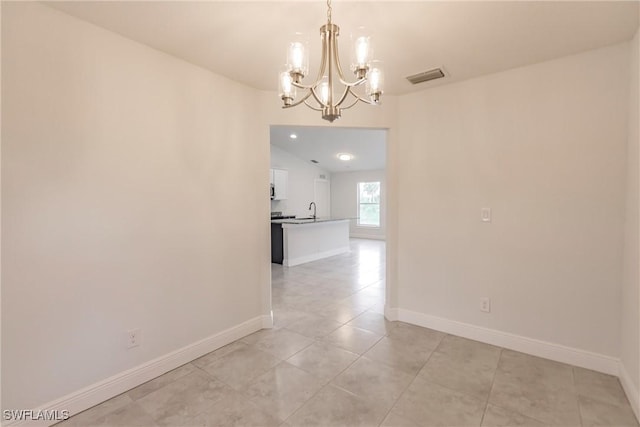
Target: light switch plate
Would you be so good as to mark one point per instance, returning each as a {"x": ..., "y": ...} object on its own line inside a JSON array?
[{"x": 485, "y": 214}]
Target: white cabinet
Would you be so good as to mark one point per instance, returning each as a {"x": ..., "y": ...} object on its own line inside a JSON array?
[{"x": 279, "y": 179}]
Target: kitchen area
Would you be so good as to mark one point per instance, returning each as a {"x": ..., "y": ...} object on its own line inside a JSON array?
[
  {"x": 311, "y": 218},
  {"x": 305, "y": 236}
]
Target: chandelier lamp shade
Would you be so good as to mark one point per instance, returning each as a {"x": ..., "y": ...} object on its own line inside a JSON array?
[{"x": 331, "y": 92}]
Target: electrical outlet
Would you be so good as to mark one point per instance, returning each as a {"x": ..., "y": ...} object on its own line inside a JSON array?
[
  {"x": 133, "y": 338},
  {"x": 485, "y": 304}
]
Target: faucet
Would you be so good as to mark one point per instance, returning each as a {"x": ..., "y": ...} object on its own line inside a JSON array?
[{"x": 314, "y": 209}]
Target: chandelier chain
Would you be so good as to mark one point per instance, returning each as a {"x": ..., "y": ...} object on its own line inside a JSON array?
[{"x": 329, "y": 11}]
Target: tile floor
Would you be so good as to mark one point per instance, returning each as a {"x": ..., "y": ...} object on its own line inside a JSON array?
[{"x": 333, "y": 360}]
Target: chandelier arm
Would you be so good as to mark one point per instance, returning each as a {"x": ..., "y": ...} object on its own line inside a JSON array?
[
  {"x": 323, "y": 61},
  {"x": 346, "y": 92},
  {"x": 338, "y": 65},
  {"x": 312, "y": 107},
  {"x": 299, "y": 102},
  {"x": 355, "y": 101},
  {"x": 353, "y": 84},
  {"x": 315, "y": 95},
  {"x": 305, "y": 87},
  {"x": 341, "y": 73},
  {"x": 323, "y": 64},
  {"x": 332, "y": 42},
  {"x": 366, "y": 101},
  {"x": 359, "y": 98}
]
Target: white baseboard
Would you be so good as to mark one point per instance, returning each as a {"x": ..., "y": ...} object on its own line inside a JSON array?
[
  {"x": 366, "y": 236},
  {"x": 390, "y": 313},
  {"x": 94, "y": 394},
  {"x": 267, "y": 320},
  {"x": 314, "y": 257},
  {"x": 630, "y": 389},
  {"x": 547, "y": 350}
]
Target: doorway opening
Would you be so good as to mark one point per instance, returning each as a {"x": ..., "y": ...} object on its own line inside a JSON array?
[{"x": 335, "y": 287}]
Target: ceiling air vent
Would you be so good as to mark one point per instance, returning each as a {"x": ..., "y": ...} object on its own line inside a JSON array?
[
  {"x": 314, "y": 161},
  {"x": 425, "y": 76}
]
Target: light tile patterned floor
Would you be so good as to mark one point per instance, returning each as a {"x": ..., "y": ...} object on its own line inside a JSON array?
[{"x": 333, "y": 360}]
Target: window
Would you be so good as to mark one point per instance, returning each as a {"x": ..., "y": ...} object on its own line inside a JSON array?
[{"x": 369, "y": 204}]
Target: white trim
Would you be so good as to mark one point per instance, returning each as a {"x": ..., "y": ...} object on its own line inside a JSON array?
[
  {"x": 96, "y": 393},
  {"x": 390, "y": 313},
  {"x": 582, "y": 358},
  {"x": 314, "y": 257},
  {"x": 630, "y": 390},
  {"x": 367, "y": 236},
  {"x": 267, "y": 320},
  {"x": 547, "y": 350}
]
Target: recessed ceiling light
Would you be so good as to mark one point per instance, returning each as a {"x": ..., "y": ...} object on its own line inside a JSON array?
[
  {"x": 345, "y": 157},
  {"x": 293, "y": 136}
]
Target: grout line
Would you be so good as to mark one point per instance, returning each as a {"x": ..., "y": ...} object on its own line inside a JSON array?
[
  {"x": 410, "y": 382},
  {"x": 491, "y": 390},
  {"x": 493, "y": 380},
  {"x": 575, "y": 394},
  {"x": 327, "y": 384}
]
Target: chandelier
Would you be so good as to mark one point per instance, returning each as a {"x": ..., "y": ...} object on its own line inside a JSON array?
[{"x": 322, "y": 95}]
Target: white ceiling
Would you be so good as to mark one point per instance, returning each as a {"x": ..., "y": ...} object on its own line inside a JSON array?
[
  {"x": 368, "y": 146},
  {"x": 246, "y": 41}
]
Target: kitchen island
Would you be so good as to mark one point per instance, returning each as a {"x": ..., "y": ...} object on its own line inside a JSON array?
[{"x": 299, "y": 240}]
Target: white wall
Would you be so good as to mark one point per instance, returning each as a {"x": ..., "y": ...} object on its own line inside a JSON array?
[
  {"x": 344, "y": 200},
  {"x": 131, "y": 198},
  {"x": 544, "y": 147},
  {"x": 116, "y": 159},
  {"x": 630, "y": 331},
  {"x": 300, "y": 188}
]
